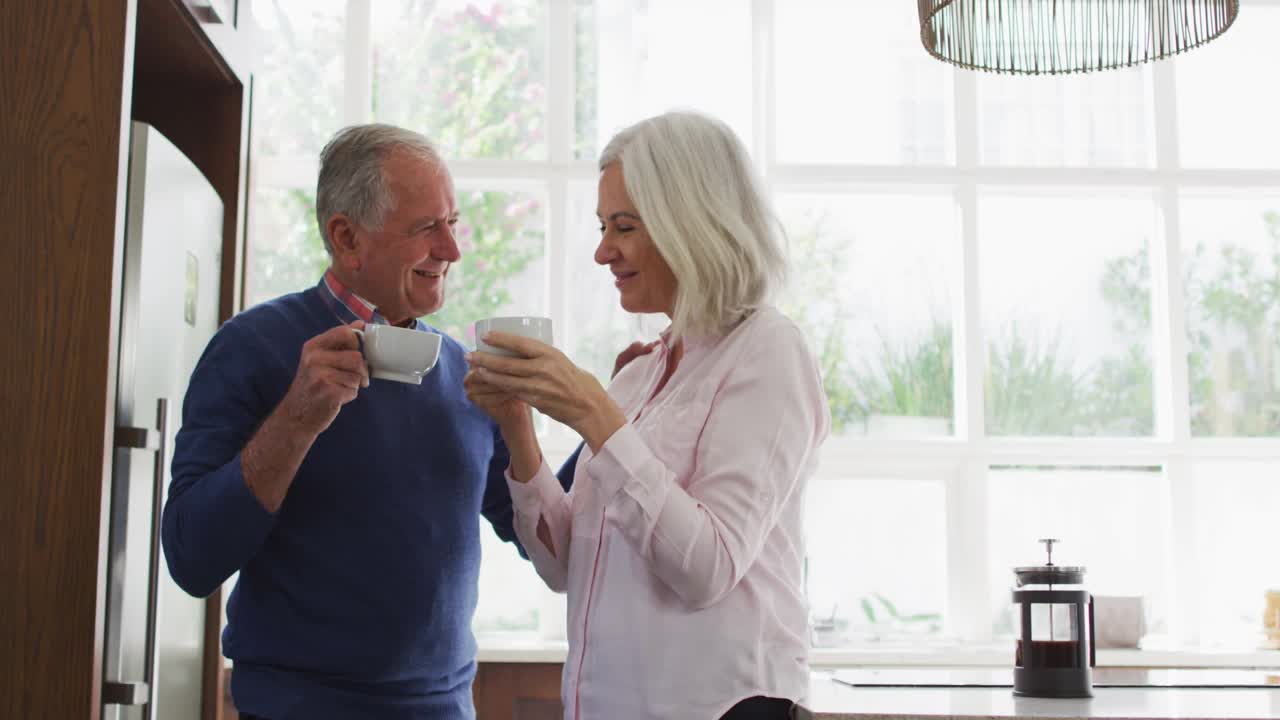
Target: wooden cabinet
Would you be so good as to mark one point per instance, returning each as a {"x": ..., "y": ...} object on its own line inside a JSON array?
[
  {"x": 75, "y": 73},
  {"x": 518, "y": 691},
  {"x": 502, "y": 691},
  {"x": 191, "y": 82}
]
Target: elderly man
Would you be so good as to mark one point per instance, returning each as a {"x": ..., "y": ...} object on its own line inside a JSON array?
[{"x": 349, "y": 508}]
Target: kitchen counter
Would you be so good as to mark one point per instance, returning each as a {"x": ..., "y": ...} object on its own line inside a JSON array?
[
  {"x": 1255, "y": 674},
  {"x": 832, "y": 700}
]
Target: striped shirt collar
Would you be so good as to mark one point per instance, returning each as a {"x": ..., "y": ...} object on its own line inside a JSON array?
[{"x": 347, "y": 305}]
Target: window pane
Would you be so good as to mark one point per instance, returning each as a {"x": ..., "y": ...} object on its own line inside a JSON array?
[
  {"x": 286, "y": 253},
  {"x": 597, "y": 328},
  {"x": 1066, "y": 311},
  {"x": 297, "y": 101},
  {"x": 875, "y": 574},
  {"x": 470, "y": 75},
  {"x": 1090, "y": 119},
  {"x": 640, "y": 59},
  {"x": 1112, "y": 521},
  {"x": 501, "y": 236},
  {"x": 298, "y": 79},
  {"x": 514, "y": 605},
  {"x": 1235, "y": 535},
  {"x": 1226, "y": 113},
  {"x": 871, "y": 287},
  {"x": 1231, "y": 244},
  {"x": 854, "y": 86}
]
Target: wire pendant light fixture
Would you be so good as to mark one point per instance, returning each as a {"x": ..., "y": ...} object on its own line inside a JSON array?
[{"x": 1067, "y": 36}]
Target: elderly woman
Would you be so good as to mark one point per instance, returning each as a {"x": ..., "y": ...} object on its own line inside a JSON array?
[{"x": 680, "y": 544}]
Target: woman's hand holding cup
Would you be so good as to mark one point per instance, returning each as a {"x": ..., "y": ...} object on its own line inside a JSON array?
[{"x": 541, "y": 376}]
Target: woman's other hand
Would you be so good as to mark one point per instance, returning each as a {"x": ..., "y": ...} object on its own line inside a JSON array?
[
  {"x": 515, "y": 421},
  {"x": 506, "y": 409}
]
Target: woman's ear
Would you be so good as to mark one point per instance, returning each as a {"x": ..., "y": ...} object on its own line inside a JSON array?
[{"x": 344, "y": 240}]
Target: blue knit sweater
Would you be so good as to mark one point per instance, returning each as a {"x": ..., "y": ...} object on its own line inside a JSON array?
[{"x": 355, "y": 599}]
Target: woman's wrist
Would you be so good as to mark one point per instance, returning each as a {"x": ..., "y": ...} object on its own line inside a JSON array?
[
  {"x": 522, "y": 444},
  {"x": 601, "y": 423},
  {"x": 516, "y": 426},
  {"x": 525, "y": 465}
]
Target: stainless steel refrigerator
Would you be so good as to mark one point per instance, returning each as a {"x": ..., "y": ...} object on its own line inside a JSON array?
[{"x": 154, "y": 632}]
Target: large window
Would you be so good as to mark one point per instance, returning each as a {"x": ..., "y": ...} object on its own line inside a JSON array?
[{"x": 1044, "y": 307}]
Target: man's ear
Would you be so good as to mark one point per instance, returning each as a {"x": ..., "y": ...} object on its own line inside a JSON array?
[{"x": 344, "y": 241}]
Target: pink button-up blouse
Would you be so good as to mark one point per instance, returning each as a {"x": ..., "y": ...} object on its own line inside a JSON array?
[{"x": 680, "y": 544}]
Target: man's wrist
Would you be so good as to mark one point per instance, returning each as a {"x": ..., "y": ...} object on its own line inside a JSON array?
[
  {"x": 272, "y": 456},
  {"x": 289, "y": 423}
]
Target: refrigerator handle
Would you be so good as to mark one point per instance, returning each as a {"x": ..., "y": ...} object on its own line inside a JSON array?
[
  {"x": 153, "y": 575},
  {"x": 143, "y": 693}
]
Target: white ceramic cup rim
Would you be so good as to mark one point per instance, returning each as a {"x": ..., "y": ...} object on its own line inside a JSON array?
[
  {"x": 501, "y": 318},
  {"x": 535, "y": 327}
]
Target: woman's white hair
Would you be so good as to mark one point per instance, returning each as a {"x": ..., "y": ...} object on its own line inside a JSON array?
[
  {"x": 704, "y": 206},
  {"x": 352, "y": 180}
]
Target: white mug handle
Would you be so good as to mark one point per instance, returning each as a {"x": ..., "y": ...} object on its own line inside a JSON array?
[{"x": 359, "y": 338}]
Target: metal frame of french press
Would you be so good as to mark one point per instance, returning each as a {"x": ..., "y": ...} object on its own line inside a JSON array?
[{"x": 1072, "y": 682}]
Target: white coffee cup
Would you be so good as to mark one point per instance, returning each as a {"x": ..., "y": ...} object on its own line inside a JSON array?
[
  {"x": 1119, "y": 621},
  {"x": 400, "y": 354},
  {"x": 530, "y": 326}
]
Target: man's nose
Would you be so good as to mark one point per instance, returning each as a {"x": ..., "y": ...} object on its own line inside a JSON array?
[{"x": 446, "y": 246}]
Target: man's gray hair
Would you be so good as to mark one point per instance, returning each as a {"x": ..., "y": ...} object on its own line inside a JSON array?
[
  {"x": 693, "y": 183},
  {"x": 352, "y": 180}
]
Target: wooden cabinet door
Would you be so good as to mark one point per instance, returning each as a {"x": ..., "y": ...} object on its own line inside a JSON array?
[{"x": 518, "y": 691}]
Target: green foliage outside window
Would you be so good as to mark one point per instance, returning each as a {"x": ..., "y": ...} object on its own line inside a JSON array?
[
  {"x": 287, "y": 255},
  {"x": 498, "y": 242},
  {"x": 1031, "y": 386},
  {"x": 913, "y": 379},
  {"x": 1233, "y": 302},
  {"x": 472, "y": 81},
  {"x": 815, "y": 305}
]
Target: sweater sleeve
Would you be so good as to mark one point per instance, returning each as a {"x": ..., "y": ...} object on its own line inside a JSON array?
[
  {"x": 496, "y": 506},
  {"x": 212, "y": 523}
]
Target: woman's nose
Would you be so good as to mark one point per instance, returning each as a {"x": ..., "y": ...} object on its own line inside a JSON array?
[{"x": 605, "y": 252}]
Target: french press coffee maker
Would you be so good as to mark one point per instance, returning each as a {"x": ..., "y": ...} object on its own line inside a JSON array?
[{"x": 1055, "y": 655}]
